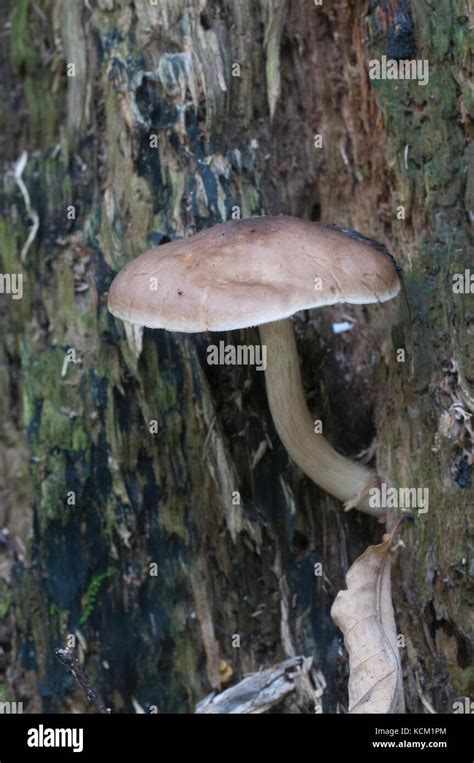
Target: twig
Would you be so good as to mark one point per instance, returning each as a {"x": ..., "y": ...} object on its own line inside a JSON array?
[
  {"x": 67, "y": 657},
  {"x": 18, "y": 168}
]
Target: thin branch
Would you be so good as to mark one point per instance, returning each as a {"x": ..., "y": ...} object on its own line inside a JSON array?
[
  {"x": 18, "y": 168},
  {"x": 68, "y": 658}
]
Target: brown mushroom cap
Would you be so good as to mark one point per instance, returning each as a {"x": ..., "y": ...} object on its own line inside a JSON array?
[{"x": 248, "y": 272}]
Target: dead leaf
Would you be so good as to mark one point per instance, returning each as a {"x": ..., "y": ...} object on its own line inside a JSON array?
[{"x": 364, "y": 613}]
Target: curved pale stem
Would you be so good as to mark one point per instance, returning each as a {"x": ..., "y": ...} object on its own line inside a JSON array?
[{"x": 346, "y": 480}]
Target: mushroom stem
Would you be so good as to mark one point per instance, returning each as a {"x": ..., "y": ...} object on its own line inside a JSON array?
[{"x": 346, "y": 480}]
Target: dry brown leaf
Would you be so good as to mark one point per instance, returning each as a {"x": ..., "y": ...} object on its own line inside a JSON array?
[{"x": 364, "y": 613}]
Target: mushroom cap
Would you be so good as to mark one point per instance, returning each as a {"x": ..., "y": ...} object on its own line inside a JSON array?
[{"x": 247, "y": 272}]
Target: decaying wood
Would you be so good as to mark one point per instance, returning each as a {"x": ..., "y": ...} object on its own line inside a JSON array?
[
  {"x": 232, "y": 94},
  {"x": 364, "y": 613},
  {"x": 260, "y": 691}
]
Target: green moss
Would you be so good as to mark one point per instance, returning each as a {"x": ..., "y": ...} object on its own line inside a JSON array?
[
  {"x": 8, "y": 247},
  {"x": 54, "y": 610},
  {"x": 53, "y": 489},
  {"x": 5, "y": 693},
  {"x": 22, "y": 51},
  {"x": 59, "y": 619},
  {"x": 4, "y": 600},
  {"x": 36, "y": 77},
  {"x": 91, "y": 595},
  {"x": 92, "y": 227},
  {"x": 419, "y": 119},
  {"x": 186, "y": 661}
]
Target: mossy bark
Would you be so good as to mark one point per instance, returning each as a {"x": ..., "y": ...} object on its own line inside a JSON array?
[{"x": 145, "y": 122}]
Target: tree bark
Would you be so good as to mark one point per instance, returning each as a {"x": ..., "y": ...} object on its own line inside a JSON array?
[{"x": 145, "y": 122}]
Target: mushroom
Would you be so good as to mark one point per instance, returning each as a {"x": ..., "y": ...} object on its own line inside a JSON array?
[{"x": 259, "y": 271}]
